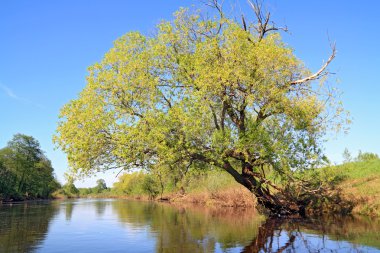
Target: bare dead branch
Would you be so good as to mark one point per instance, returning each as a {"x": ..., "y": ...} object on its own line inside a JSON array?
[
  {"x": 219, "y": 7},
  {"x": 262, "y": 27},
  {"x": 119, "y": 172},
  {"x": 321, "y": 72},
  {"x": 244, "y": 23}
]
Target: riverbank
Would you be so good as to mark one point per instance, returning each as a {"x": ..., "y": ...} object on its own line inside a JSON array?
[
  {"x": 23, "y": 200},
  {"x": 233, "y": 196},
  {"x": 359, "y": 182},
  {"x": 230, "y": 197}
]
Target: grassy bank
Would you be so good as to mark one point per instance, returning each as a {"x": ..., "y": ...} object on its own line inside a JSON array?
[
  {"x": 234, "y": 196},
  {"x": 360, "y": 182}
]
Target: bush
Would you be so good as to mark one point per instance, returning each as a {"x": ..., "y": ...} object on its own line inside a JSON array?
[
  {"x": 150, "y": 186},
  {"x": 70, "y": 190},
  {"x": 130, "y": 184},
  {"x": 366, "y": 156}
]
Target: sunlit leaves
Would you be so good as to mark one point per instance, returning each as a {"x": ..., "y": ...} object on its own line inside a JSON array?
[{"x": 197, "y": 86}]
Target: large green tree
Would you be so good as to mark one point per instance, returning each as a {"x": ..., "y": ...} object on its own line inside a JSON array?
[
  {"x": 26, "y": 171},
  {"x": 7, "y": 180},
  {"x": 203, "y": 93}
]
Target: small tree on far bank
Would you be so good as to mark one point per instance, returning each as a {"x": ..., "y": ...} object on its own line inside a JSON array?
[
  {"x": 100, "y": 186},
  {"x": 70, "y": 189},
  {"x": 347, "y": 157},
  {"x": 150, "y": 186}
]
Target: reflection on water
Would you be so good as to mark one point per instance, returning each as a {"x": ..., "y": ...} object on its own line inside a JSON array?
[
  {"x": 68, "y": 207},
  {"x": 129, "y": 226},
  {"x": 191, "y": 229},
  {"x": 24, "y": 226},
  {"x": 333, "y": 235}
]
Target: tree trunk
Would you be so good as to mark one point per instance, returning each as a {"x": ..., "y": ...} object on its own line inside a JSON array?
[{"x": 278, "y": 204}]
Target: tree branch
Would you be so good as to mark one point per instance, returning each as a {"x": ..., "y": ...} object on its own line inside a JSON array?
[
  {"x": 262, "y": 27},
  {"x": 214, "y": 117},
  {"x": 219, "y": 7},
  {"x": 226, "y": 166},
  {"x": 321, "y": 72}
]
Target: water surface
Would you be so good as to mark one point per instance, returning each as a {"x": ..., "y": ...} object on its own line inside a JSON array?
[{"x": 131, "y": 226}]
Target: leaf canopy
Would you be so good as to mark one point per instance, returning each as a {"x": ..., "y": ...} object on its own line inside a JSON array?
[{"x": 199, "y": 92}]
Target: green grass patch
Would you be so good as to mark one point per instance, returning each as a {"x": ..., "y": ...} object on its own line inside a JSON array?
[{"x": 360, "y": 182}]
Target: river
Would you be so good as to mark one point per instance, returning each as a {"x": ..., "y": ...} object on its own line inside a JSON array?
[{"x": 103, "y": 225}]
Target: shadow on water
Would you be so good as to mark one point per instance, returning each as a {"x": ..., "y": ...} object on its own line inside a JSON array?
[{"x": 25, "y": 223}]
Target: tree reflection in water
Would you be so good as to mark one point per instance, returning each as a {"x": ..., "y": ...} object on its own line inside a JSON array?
[
  {"x": 334, "y": 234},
  {"x": 69, "y": 207},
  {"x": 119, "y": 225},
  {"x": 23, "y": 226},
  {"x": 199, "y": 229},
  {"x": 191, "y": 228}
]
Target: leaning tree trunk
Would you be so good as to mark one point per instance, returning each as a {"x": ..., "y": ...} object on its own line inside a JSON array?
[
  {"x": 279, "y": 203},
  {"x": 268, "y": 195}
]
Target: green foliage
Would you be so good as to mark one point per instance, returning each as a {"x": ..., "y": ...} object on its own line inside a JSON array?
[
  {"x": 25, "y": 171},
  {"x": 69, "y": 189},
  {"x": 209, "y": 181},
  {"x": 130, "y": 184},
  {"x": 7, "y": 181},
  {"x": 366, "y": 156},
  {"x": 100, "y": 189},
  {"x": 361, "y": 183},
  {"x": 346, "y": 156},
  {"x": 319, "y": 190},
  {"x": 100, "y": 186},
  {"x": 202, "y": 94},
  {"x": 356, "y": 169},
  {"x": 196, "y": 94},
  {"x": 137, "y": 184},
  {"x": 84, "y": 191},
  {"x": 150, "y": 186}
]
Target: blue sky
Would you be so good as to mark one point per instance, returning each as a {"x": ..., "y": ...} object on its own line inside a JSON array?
[{"x": 46, "y": 47}]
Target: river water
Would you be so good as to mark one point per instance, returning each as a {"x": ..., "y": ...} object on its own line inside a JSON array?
[{"x": 130, "y": 226}]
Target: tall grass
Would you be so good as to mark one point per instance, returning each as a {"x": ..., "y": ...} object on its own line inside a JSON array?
[
  {"x": 214, "y": 187},
  {"x": 361, "y": 183}
]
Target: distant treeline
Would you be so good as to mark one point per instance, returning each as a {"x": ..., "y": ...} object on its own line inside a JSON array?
[
  {"x": 148, "y": 185},
  {"x": 25, "y": 171},
  {"x": 69, "y": 190}
]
